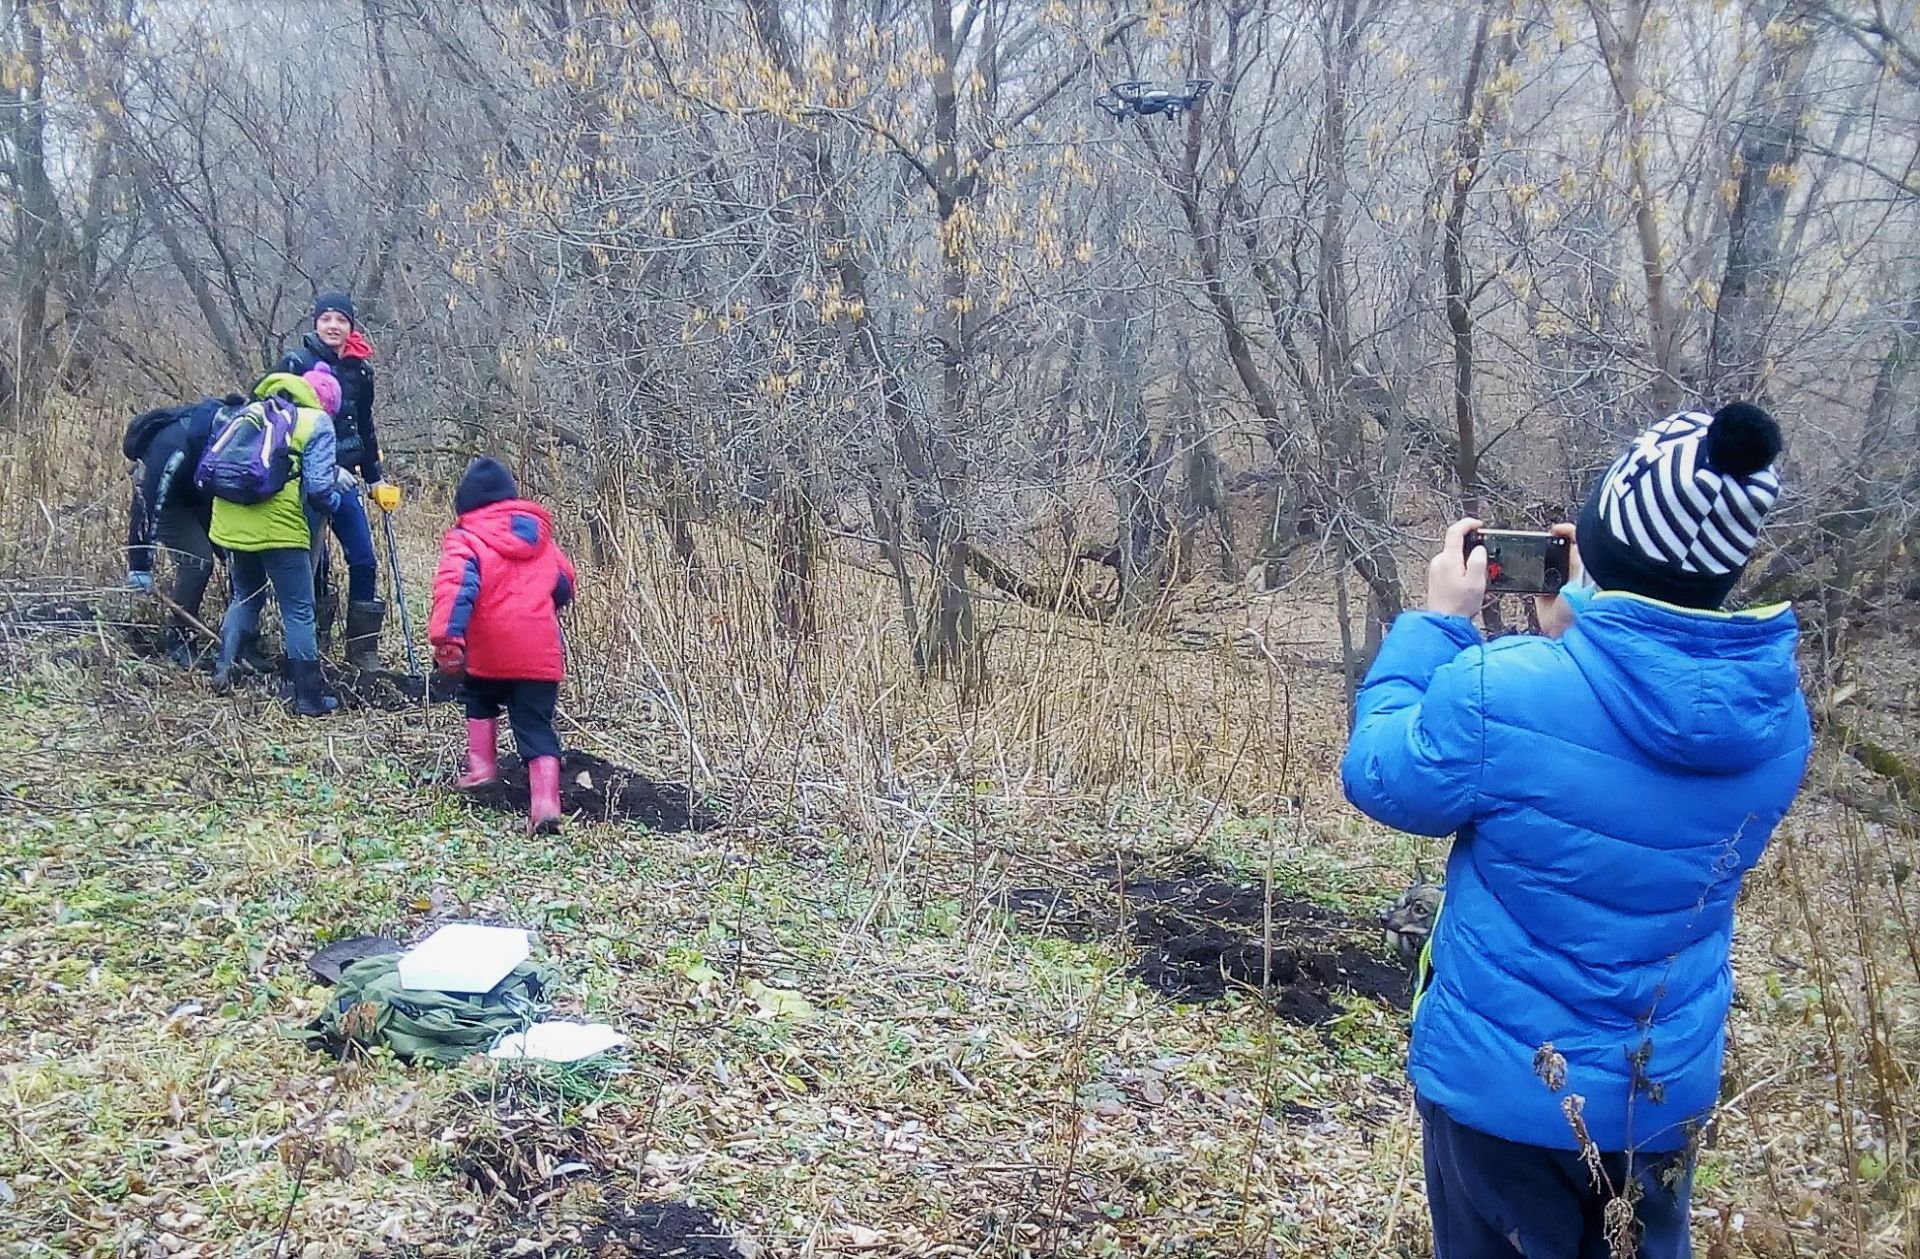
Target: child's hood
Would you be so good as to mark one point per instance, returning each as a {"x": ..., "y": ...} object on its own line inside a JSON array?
[{"x": 514, "y": 527}]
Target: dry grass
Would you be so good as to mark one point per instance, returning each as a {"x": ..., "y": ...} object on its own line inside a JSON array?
[{"x": 946, "y": 1085}]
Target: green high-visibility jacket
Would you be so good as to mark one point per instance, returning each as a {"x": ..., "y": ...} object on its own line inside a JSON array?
[{"x": 281, "y": 523}]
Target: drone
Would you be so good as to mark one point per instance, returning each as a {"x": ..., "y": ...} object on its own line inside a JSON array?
[{"x": 1138, "y": 98}]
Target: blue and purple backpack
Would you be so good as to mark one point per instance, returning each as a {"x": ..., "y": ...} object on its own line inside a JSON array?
[{"x": 251, "y": 457}]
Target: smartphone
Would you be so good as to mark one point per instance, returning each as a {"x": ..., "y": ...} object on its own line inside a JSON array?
[{"x": 1521, "y": 563}]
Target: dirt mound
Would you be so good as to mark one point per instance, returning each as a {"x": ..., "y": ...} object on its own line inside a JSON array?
[
  {"x": 602, "y": 791},
  {"x": 1200, "y": 933},
  {"x": 658, "y": 1230},
  {"x": 387, "y": 690}
]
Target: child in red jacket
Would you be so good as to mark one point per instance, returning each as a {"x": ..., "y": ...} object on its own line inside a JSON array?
[{"x": 496, "y": 603}]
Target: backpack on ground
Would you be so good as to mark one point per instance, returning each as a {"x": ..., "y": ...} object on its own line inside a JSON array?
[
  {"x": 251, "y": 456},
  {"x": 368, "y": 1007}
]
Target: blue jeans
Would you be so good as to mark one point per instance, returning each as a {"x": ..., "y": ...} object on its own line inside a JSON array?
[
  {"x": 290, "y": 573},
  {"x": 356, "y": 547}
]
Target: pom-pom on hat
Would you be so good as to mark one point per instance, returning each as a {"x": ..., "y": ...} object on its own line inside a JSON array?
[
  {"x": 326, "y": 387},
  {"x": 487, "y": 482},
  {"x": 1677, "y": 516}
]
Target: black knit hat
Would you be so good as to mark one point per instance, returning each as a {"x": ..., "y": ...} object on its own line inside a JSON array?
[
  {"x": 487, "y": 481},
  {"x": 1676, "y": 518},
  {"x": 342, "y": 302}
]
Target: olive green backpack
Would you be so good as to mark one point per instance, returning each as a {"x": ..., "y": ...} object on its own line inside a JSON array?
[{"x": 368, "y": 1007}]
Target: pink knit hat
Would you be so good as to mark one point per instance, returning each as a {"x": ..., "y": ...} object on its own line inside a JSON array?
[{"x": 326, "y": 387}]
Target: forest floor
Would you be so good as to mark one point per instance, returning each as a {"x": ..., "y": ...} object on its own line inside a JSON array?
[{"x": 1034, "y": 1027}]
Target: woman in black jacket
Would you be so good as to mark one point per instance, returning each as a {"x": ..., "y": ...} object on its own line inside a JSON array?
[{"x": 338, "y": 343}]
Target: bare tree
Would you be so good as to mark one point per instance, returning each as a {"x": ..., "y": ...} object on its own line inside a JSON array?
[
  {"x": 1752, "y": 283},
  {"x": 1621, "y": 26}
]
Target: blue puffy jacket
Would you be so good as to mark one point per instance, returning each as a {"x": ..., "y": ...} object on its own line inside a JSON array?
[{"x": 1609, "y": 790}]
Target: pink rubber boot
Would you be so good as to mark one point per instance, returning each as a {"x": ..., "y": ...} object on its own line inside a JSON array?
[
  {"x": 483, "y": 754},
  {"x": 543, "y": 783}
]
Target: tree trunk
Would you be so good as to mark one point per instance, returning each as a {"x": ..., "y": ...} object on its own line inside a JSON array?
[
  {"x": 1756, "y": 270},
  {"x": 1203, "y": 494},
  {"x": 1620, "y": 45},
  {"x": 1355, "y": 490},
  {"x": 795, "y": 554},
  {"x": 933, "y": 489},
  {"x": 34, "y": 211},
  {"x": 889, "y": 527},
  {"x": 1476, "y": 108}
]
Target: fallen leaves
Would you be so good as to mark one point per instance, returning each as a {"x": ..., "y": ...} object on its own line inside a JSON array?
[{"x": 778, "y": 1003}]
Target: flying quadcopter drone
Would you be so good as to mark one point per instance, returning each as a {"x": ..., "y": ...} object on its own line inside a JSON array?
[{"x": 1138, "y": 98}]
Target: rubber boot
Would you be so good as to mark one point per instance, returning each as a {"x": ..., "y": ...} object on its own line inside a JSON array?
[
  {"x": 364, "y": 618},
  {"x": 250, "y": 658},
  {"x": 483, "y": 754},
  {"x": 310, "y": 698},
  {"x": 180, "y": 648},
  {"x": 227, "y": 663},
  {"x": 543, "y": 786}
]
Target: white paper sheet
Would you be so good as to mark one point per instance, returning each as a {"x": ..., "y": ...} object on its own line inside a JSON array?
[
  {"x": 463, "y": 957},
  {"x": 558, "y": 1041}
]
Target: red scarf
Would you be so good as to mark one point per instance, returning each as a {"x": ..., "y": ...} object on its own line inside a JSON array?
[{"x": 356, "y": 346}]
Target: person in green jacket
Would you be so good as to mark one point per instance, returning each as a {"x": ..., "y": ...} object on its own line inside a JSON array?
[{"x": 270, "y": 542}]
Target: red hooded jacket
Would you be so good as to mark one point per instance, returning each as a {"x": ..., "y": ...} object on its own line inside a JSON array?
[{"x": 501, "y": 584}]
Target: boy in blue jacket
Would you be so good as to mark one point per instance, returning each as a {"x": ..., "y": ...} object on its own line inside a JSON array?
[{"x": 1608, "y": 786}]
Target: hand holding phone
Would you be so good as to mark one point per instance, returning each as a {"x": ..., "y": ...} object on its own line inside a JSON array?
[{"x": 1523, "y": 563}]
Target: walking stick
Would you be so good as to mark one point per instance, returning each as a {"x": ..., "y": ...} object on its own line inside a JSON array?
[{"x": 400, "y": 596}]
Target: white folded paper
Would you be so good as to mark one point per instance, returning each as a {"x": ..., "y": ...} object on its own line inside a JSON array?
[
  {"x": 558, "y": 1041},
  {"x": 463, "y": 957}
]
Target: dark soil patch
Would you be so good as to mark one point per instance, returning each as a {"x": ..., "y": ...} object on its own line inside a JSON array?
[
  {"x": 600, "y": 790},
  {"x": 658, "y": 1230},
  {"x": 1200, "y": 933},
  {"x": 621, "y": 1229},
  {"x": 384, "y": 689},
  {"x": 149, "y": 643},
  {"x": 387, "y": 690}
]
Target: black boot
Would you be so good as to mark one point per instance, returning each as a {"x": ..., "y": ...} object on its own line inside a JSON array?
[
  {"x": 224, "y": 668},
  {"x": 180, "y": 649},
  {"x": 364, "y": 618},
  {"x": 251, "y": 659},
  {"x": 310, "y": 698}
]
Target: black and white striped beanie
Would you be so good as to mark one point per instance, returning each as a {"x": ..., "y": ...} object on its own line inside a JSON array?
[{"x": 1677, "y": 516}]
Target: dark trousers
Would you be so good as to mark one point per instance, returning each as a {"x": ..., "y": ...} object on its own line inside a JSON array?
[
  {"x": 183, "y": 534},
  {"x": 529, "y": 708},
  {"x": 1495, "y": 1199}
]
